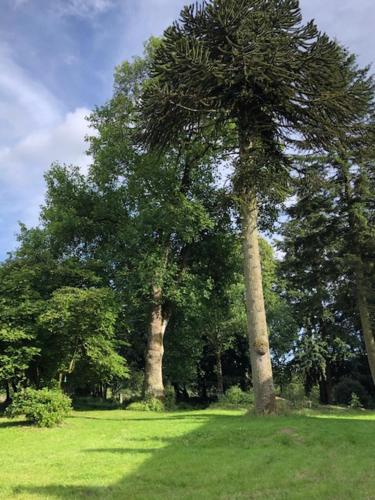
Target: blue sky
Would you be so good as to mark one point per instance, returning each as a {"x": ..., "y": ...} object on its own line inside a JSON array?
[{"x": 56, "y": 63}]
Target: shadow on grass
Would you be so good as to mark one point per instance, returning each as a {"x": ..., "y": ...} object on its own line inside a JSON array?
[
  {"x": 152, "y": 418},
  {"x": 14, "y": 423},
  {"x": 237, "y": 457}
]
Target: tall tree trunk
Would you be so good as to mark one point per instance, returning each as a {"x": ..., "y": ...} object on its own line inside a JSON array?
[
  {"x": 155, "y": 349},
  {"x": 153, "y": 384},
  {"x": 219, "y": 374},
  {"x": 325, "y": 385},
  {"x": 367, "y": 329},
  {"x": 260, "y": 357},
  {"x": 251, "y": 149}
]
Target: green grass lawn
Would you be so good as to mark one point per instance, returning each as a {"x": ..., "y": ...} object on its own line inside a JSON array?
[{"x": 211, "y": 454}]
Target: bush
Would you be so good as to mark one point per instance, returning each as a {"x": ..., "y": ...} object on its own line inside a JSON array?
[
  {"x": 355, "y": 402},
  {"x": 283, "y": 406},
  {"x": 44, "y": 408},
  {"x": 235, "y": 396},
  {"x": 345, "y": 388},
  {"x": 315, "y": 395},
  {"x": 295, "y": 393},
  {"x": 151, "y": 404}
]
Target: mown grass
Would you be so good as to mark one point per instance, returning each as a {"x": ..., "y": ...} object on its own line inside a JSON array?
[{"x": 211, "y": 454}]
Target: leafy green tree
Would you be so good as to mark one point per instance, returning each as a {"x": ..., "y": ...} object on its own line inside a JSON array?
[
  {"x": 81, "y": 325},
  {"x": 137, "y": 216},
  {"x": 223, "y": 322},
  {"x": 205, "y": 349},
  {"x": 255, "y": 69},
  {"x": 27, "y": 280},
  {"x": 223, "y": 313},
  {"x": 21, "y": 301},
  {"x": 17, "y": 350},
  {"x": 282, "y": 326}
]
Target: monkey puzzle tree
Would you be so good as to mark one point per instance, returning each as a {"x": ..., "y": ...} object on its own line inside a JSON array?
[{"x": 252, "y": 67}]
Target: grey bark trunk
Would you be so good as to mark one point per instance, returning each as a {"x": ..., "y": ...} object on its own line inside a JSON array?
[
  {"x": 365, "y": 317},
  {"x": 265, "y": 401},
  {"x": 155, "y": 349}
]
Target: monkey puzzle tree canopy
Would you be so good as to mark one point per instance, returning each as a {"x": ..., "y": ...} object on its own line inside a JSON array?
[
  {"x": 253, "y": 67},
  {"x": 255, "y": 60}
]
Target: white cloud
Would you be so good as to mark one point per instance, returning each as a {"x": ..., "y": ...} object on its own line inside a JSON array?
[
  {"x": 22, "y": 168},
  {"x": 35, "y": 130},
  {"x": 81, "y": 8},
  {"x": 24, "y": 103},
  {"x": 64, "y": 142}
]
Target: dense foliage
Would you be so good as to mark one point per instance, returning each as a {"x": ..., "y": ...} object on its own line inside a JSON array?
[
  {"x": 44, "y": 407},
  {"x": 132, "y": 286}
]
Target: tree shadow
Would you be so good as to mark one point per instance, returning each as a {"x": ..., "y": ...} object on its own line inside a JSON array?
[
  {"x": 14, "y": 423},
  {"x": 238, "y": 457},
  {"x": 152, "y": 418}
]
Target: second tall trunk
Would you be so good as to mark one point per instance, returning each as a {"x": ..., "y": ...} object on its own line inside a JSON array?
[
  {"x": 256, "y": 316},
  {"x": 155, "y": 348}
]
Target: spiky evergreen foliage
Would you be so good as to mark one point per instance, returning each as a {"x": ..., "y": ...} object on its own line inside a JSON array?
[
  {"x": 329, "y": 245},
  {"x": 256, "y": 61}
]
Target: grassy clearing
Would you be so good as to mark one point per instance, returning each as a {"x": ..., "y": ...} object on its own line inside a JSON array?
[{"x": 191, "y": 455}]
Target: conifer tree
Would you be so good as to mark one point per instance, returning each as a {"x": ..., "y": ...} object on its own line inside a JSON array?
[
  {"x": 252, "y": 67},
  {"x": 357, "y": 200},
  {"x": 329, "y": 254}
]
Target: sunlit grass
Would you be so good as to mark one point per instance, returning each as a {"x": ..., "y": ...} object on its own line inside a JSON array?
[{"x": 191, "y": 455}]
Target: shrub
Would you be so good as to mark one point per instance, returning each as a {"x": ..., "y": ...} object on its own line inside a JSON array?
[
  {"x": 44, "y": 408},
  {"x": 355, "y": 402},
  {"x": 150, "y": 404},
  {"x": 315, "y": 395},
  {"x": 283, "y": 407},
  {"x": 346, "y": 387},
  {"x": 155, "y": 404},
  {"x": 235, "y": 396},
  {"x": 295, "y": 393}
]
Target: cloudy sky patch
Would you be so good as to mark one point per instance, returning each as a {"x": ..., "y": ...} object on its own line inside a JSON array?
[{"x": 56, "y": 63}]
